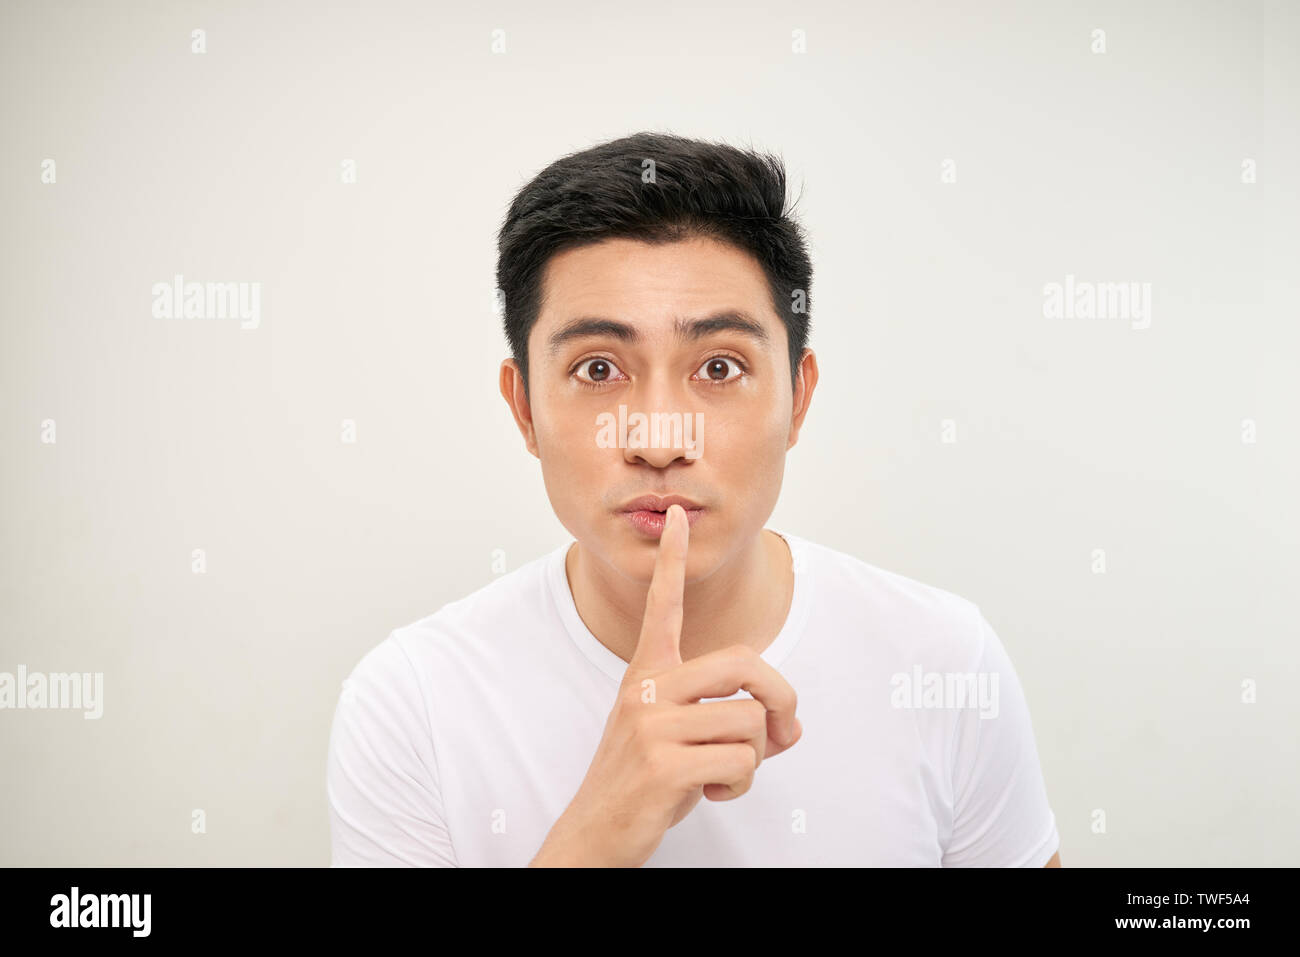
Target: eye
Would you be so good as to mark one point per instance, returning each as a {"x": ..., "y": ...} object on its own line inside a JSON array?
[
  {"x": 600, "y": 371},
  {"x": 720, "y": 369}
]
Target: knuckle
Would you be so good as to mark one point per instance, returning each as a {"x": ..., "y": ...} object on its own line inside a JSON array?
[
  {"x": 740, "y": 654},
  {"x": 641, "y": 723},
  {"x": 746, "y": 759},
  {"x": 628, "y": 702},
  {"x": 637, "y": 728}
]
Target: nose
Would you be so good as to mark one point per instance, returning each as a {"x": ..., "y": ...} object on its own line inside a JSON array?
[{"x": 663, "y": 428}]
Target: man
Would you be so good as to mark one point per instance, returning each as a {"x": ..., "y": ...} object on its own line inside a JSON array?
[{"x": 631, "y": 697}]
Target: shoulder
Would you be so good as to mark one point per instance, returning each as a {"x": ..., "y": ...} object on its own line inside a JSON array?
[
  {"x": 481, "y": 625},
  {"x": 917, "y": 617}
]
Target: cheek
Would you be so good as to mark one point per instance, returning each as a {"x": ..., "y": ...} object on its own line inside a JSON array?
[
  {"x": 567, "y": 448},
  {"x": 559, "y": 427},
  {"x": 564, "y": 448},
  {"x": 747, "y": 441}
]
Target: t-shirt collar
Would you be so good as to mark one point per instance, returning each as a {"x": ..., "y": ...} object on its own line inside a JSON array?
[{"x": 612, "y": 665}]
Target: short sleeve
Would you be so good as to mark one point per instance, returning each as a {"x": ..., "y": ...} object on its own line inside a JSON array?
[
  {"x": 381, "y": 779},
  {"x": 1001, "y": 815}
]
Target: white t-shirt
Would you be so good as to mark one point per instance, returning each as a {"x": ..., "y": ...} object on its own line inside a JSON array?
[{"x": 461, "y": 738}]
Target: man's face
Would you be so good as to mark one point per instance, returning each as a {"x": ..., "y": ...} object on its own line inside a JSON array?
[{"x": 729, "y": 388}]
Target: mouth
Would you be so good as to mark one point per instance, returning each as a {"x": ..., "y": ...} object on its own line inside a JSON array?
[{"x": 649, "y": 514}]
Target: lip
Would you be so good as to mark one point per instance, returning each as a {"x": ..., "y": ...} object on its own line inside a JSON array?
[
  {"x": 648, "y": 514},
  {"x": 659, "y": 503}
]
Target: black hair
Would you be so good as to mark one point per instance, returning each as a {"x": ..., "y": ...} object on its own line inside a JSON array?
[{"x": 654, "y": 187}]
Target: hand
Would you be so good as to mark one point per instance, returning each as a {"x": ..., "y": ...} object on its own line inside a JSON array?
[{"x": 663, "y": 748}]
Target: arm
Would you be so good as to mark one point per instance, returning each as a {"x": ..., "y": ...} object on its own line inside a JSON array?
[
  {"x": 1001, "y": 814},
  {"x": 385, "y": 804}
]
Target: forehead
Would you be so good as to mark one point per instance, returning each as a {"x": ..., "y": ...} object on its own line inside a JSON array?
[{"x": 651, "y": 286}]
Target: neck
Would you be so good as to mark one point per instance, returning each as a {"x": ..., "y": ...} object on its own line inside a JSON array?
[{"x": 744, "y": 602}]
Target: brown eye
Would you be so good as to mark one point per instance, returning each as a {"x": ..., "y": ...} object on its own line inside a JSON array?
[
  {"x": 720, "y": 369},
  {"x": 598, "y": 371}
]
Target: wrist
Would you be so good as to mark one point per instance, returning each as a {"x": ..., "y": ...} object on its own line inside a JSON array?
[{"x": 573, "y": 842}]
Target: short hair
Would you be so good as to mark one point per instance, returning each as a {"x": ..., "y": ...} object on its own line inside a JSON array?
[{"x": 698, "y": 189}]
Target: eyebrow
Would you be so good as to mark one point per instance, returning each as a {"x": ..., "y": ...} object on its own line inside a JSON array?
[{"x": 685, "y": 330}]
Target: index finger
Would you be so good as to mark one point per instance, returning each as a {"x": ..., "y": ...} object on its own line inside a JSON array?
[{"x": 658, "y": 647}]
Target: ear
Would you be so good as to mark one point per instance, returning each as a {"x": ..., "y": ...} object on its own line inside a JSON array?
[
  {"x": 512, "y": 389},
  {"x": 804, "y": 385}
]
